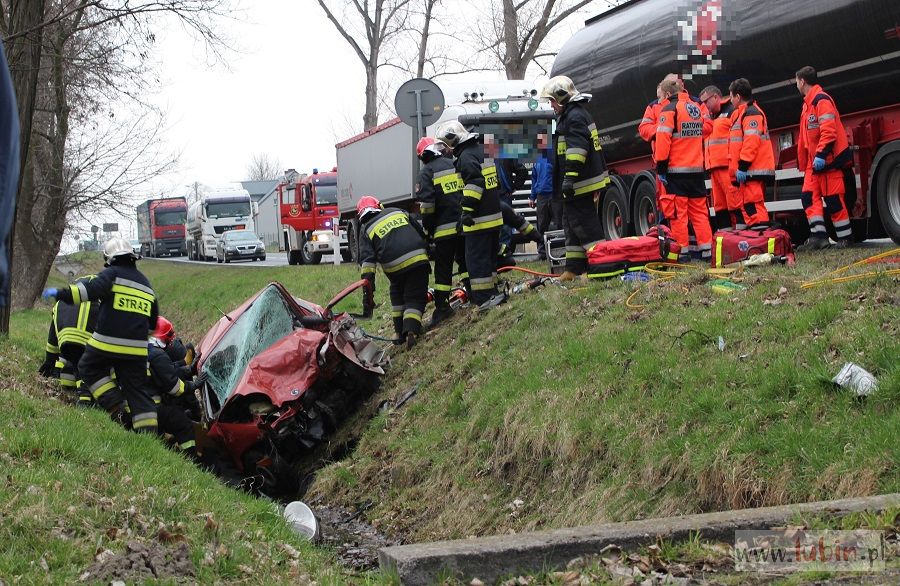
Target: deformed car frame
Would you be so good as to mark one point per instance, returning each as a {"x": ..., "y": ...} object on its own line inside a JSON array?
[{"x": 283, "y": 373}]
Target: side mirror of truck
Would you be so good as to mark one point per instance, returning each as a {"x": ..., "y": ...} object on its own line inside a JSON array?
[{"x": 254, "y": 208}]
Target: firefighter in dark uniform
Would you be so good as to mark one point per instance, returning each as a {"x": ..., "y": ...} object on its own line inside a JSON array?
[
  {"x": 71, "y": 327},
  {"x": 172, "y": 394},
  {"x": 480, "y": 218},
  {"x": 579, "y": 172},
  {"x": 128, "y": 312},
  {"x": 388, "y": 237},
  {"x": 439, "y": 192}
]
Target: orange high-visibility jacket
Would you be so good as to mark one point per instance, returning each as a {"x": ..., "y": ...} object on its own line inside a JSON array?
[
  {"x": 647, "y": 127},
  {"x": 750, "y": 149},
  {"x": 679, "y": 136},
  {"x": 821, "y": 132},
  {"x": 717, "y": 143}
]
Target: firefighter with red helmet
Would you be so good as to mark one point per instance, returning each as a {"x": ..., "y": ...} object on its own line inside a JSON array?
[
  {"x": 127, "y": 314},
  {"x": 680, "y": 167},
  {"x": 388, "y": 237},
  {"x": 579, "y": 172},
  {"x": 822, "y": 153},
  {"x": 751, "y": 159},
  {"x": 172, "y": 395},
  {"x": 439, "y": 192},
  {"x": 481, "y": 218}
]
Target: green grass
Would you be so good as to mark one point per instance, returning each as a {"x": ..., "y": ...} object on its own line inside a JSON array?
[{"x": 584, "y": 409}]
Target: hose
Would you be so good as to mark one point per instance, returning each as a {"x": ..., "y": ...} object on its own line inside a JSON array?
[
  {"x": 833, "y": 278},
  {"x": 524, "y": 270}
]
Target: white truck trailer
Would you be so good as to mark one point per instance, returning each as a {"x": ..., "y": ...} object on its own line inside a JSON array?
[{"x": 382, "y": 161}]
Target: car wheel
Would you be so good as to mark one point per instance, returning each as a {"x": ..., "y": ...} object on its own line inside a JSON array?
[
  {"x": 227, "y": 260},
  {"x": 262, "y": 258}
]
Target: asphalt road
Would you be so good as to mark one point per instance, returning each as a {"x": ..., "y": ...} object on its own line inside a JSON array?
[{"x": 273, "y": 259}]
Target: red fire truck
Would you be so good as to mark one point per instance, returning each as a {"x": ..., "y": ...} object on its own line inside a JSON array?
[
  {"x": 160, "y": 224},
  {"x": 620, "y": 56},
  {"x": 309, "y": 217}
]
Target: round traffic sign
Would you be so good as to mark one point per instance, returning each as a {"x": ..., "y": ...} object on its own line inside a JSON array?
[{"x": 419, "y": 95}]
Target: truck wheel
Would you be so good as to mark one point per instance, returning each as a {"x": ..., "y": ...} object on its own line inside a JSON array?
[
  {"x": 346, "y": 255},
  {"x": 308, "y": 258},
  {"x": 612, "y": 214},
  {"x": 888, "y": 195},
  {"x": 294, "y": 257},
  {"x": 352, "y": 244},
  {"x": 644, "y": 212}
]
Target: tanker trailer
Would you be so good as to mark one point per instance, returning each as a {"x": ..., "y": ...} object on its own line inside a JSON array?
[{"x": 621, "y": 55}]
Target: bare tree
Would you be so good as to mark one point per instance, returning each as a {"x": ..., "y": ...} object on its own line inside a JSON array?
[
  {"x": 263, "y": 168},
  {"x": 519, "y": 28},
  {"x": 379, "y": 22},
  {"x": 94, "y": 136}
]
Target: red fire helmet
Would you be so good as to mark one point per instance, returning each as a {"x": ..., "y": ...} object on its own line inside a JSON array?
[
  {"x": 367, "y": 204},
  {"x": 165, "y": 331},
  {"x": 424, "y": 142}
]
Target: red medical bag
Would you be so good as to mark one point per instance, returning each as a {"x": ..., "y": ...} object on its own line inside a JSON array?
[
  {"x": 611, "y": 258},
  {"x": 731, "y": 246}
]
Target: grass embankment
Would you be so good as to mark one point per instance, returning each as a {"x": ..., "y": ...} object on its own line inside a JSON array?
[
  {"x": 561, "y": 407},
  {"x": 564, "y": 407},
  {"x": 74, "y": 484}
]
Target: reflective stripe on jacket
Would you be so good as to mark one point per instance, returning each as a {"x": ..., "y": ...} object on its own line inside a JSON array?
[
  {"x": 579, "y": 155},
  {"x": 127, "y": 311},
  {"x": 821, "y": 133},
  {"x": 439, "y": 191},
  {"x": 481, "y": 187},
  {"x": 679, "y": 137},
  {"x": 749, "y": 148},
  {"x": 717, "y": 142},
  {"x": 392, "y": 240}
]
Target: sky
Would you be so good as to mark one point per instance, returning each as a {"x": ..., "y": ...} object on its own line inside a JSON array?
[{"x": 291, "y": 89}]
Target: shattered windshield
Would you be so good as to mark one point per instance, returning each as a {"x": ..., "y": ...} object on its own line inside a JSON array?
[{"x": 261, "y": 325}]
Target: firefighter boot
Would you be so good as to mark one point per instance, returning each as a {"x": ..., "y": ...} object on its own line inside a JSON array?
[
  {"x": 814, "y": 243},
  {"x": 440, "y": 313},
  {"x": 567, "y": 276},
  {"x": 411, "y": 340}
]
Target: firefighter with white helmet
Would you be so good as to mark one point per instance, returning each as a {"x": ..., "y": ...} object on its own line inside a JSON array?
[
  {"x": 128, "y": 312},
  {"x": 387, "y": 236},
  {"x": 481, "y": 217},
  {"x": 579, "y": 172},
  {"x": 439, "y": 193}
]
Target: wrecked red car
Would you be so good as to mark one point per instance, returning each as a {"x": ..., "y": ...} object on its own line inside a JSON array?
[{"x": 283, "y": 373}]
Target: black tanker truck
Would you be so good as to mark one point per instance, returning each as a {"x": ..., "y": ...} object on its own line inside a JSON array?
[{"x": 621, "y": 55}]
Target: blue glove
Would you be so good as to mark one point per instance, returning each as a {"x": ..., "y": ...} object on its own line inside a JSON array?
[
  {"x": 663, "y": 179},
  {"x": 49, "y": 292},
  {"x": 741, "y": 177},
  {"x": 818, "y": 164}
]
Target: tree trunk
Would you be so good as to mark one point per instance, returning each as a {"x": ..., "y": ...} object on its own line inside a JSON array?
[
  {"x": 370, "y": 119},
  {"x": 24, "y": 56},
  {"x": 423, "y": 40},
  {"x": 512, "y": 60}
]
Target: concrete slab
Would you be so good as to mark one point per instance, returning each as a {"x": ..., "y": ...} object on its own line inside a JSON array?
[{"x": 490, "y": 558}]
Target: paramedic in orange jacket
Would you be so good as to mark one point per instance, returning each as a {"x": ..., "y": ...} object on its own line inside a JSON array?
[
  {"x": 751, "y": 158},
  {"x": 647, "y": 130},
  {"x": 725, "y": 200},
  {"x": 679, "y": 165},
  {"x": 822, "y": 154}
]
